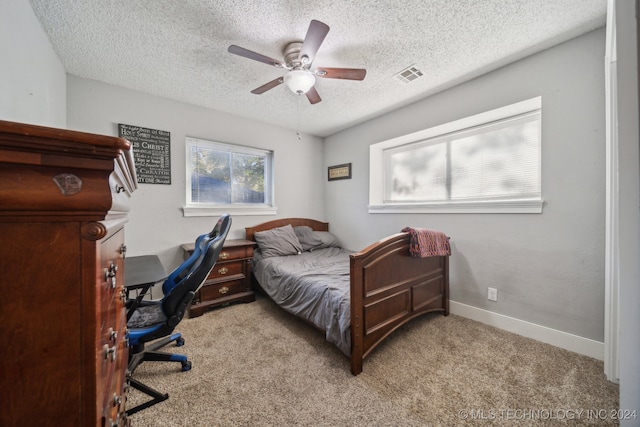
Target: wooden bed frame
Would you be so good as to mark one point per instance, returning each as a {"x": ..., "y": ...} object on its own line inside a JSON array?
[{"x": 388, "y": 287}]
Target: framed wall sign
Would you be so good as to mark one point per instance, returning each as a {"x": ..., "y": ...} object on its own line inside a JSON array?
[
  {"x": 339, "y": 172},
  {"x": 151, "y": 153}
]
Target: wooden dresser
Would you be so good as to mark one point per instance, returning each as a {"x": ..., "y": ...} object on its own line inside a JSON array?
[
  {"x": 230, "y": 279},
  {"x": 64, "y": 199}
]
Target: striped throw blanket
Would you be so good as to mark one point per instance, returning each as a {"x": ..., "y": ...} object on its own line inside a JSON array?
[{"x": 425, "y": 243}]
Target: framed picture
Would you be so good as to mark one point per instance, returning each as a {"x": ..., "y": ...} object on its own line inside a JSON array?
[{"x": 339, "y": 172}]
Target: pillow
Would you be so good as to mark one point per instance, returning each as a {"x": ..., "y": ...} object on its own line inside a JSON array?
[
  {"x": 328, "y": 240},
  {"x": 307, "y": 237},
  {"x": 278, "y": 242}
]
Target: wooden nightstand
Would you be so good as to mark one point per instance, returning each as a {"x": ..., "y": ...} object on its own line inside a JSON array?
[{"x": 230, "y": 279}]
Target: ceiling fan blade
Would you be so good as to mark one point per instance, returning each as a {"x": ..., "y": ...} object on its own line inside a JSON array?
[
  {"x": 342, "y": 73},
  {"x": 265, "y": 87},
  {"x": 315, "y": 36},
  {"x": 237, "y": 50},
  {"x": 312, "y": 96}
]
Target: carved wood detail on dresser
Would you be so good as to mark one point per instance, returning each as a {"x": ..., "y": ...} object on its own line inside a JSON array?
[
  {"x": 64, "y": 200},
  {"x": 230, "y": 279}
]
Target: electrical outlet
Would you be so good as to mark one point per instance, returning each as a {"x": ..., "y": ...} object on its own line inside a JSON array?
[{"x": 493, "y": 294}]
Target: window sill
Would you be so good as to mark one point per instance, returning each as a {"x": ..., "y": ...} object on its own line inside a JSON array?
[
  {"x": 494, "y": 206},
  {"x": 188, "y": 211}
]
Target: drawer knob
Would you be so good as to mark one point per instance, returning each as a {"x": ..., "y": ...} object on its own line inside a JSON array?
[
  {"x": 223, "y": 270},
  {"x": 223, "y": 255},
  {"x": 224, "y": 290}
]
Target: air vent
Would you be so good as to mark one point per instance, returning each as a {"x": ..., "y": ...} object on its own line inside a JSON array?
[{"x": 408, "y": 75}]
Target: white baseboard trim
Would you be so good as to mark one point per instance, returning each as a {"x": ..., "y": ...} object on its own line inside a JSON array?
[{"x": 575, "y": 343}]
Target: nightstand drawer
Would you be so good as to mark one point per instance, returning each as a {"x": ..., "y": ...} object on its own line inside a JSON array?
[
  {"x": 227, "y": 269},
  {"x": 237, "y": 252},
  {"x": 218, "y": 290}
]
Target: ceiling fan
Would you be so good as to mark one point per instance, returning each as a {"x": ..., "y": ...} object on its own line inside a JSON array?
[{"x": 298, "y": 56}]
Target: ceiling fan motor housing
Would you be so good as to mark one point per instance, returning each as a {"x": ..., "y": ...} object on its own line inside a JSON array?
[{"x": 292, "y": 56}]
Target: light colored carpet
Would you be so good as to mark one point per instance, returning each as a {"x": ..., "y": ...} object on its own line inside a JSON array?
[{"x": 255, "y": 365}]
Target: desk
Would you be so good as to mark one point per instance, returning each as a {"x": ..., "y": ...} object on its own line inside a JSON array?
[{"x": 142, "y": 272}]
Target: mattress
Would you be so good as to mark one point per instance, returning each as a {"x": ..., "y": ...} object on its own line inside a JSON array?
[{"x": 314, "y": 286}]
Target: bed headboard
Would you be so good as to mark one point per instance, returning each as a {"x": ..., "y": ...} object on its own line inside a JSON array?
[{"x": 295, "y": 222}]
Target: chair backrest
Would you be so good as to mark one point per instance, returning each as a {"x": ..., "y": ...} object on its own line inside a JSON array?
[
  {"x": 183, "y": 269},
  {"x": 182, "y": 284}
]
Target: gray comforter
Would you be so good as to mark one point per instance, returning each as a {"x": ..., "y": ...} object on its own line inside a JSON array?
[{"x": 313, "y": 286}]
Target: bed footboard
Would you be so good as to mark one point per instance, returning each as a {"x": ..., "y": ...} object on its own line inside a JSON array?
[{"x": 389, "y": 288}]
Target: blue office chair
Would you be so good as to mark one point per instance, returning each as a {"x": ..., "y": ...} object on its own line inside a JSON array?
[{"x": 156, "y": 320}]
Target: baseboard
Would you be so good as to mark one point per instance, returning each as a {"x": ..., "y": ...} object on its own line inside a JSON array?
[{"x": 575, "y": 343}]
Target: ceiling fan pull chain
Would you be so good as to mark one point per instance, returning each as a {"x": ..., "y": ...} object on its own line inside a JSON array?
[{"x": 298, "y": 126}]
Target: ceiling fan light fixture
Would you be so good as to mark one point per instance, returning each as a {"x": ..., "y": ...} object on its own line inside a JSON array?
[{"x": 299, "y": 81}]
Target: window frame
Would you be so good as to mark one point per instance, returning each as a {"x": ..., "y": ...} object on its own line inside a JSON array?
[
  {"x": 377, "y": 203},
  {"x": 214, "y": 209}
]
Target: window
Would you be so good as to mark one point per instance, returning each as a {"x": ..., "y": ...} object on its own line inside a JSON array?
[
  {"x": 490, "y": 162},
  {"x": 230, "y": 178}
]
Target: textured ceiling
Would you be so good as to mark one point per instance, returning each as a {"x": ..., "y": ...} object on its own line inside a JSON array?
[{"x": 178, "y": 49}]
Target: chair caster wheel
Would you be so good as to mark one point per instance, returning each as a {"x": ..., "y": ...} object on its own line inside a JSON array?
[
  {"x": 186, "y": 366},
  {"x": 179, "y": 342}
]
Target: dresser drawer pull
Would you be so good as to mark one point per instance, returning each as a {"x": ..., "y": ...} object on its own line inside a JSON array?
[
  {"x": 110, "y": 274},
  {"x": 223, "y": 270},
  {"x": 223, "y": 255},
  {"x": 224, "y": 290},
  {"x": 109, "y": 351},
  {"x": 113, "y": 335}
]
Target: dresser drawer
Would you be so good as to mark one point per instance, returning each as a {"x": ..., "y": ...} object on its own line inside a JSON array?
[
  {"x": 112, "y": 351},
  {"x": 225, "y": 270},
  {"x": 224, "y": 289},
  {"x": 237, "y": 252}
]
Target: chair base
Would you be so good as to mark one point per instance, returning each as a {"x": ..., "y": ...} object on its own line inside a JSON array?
[{"x": 141, "y": 353}]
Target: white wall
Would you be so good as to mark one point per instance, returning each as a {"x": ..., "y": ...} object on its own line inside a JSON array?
[
  {"x": 156, "y": 224},
  {"x": 32, "y": 78},
  {"x": 548, "y": 268},
  {"x": 629, "y": 221}
]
